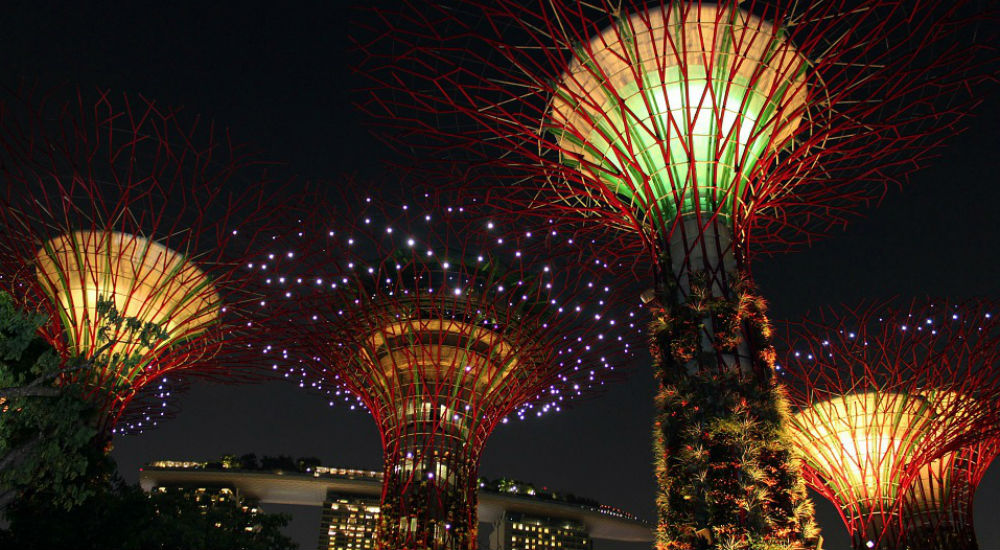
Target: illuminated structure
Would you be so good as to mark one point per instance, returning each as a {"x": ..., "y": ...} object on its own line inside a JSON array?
[
  {"x": 895, "y": 417},
  {"x": 350, "y": 501},
  {"x": 443, "y": 329},
  {"x": 138, "y": 278},
  {"x": 348, "y": 522},
  {"x": 937, "y": 507},
  {"x": 697, "y": 130},
  {"x": 521, "y": 532},
  {"x": 119, "y": 225},
  {"x": 209, "y": 496}
]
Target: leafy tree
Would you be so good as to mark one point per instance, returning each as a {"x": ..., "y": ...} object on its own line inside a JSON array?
[
  {"x": 67, "y": 491},
  {"x": 122, "y": 516},
  {"x": 249, "y": 462},
  {"x": 49, "y": 436},
  {"x": 246, "y": 461},
  {"x": 280, "y": 462},
  {"x": 308, "y": 463},
  {"x": 46, "y": 442}
]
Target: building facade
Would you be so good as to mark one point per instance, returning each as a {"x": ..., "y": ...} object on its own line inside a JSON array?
[
  {"x": 514, "y": 515},
  {"x": 518, "y": 531},
  {"x": 348, "y": 522}
]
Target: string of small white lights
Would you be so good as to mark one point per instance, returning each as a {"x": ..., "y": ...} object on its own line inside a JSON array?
[{"x": 383, "y": 260}]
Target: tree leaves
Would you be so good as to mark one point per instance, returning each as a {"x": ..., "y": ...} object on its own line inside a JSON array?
[{"x": 46, "y": 441}]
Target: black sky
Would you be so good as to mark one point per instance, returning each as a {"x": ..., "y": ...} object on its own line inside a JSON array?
[{"x": 278, "y": 77}]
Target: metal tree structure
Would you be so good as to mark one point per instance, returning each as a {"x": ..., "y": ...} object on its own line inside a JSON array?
[
  {"x": 129, "y": 227},
  {"x": 706, "y": 133},
  {"x": 443, "y": 329},
  {"x": 895, "y": 416},
  {"x": 937, "y": 507}
]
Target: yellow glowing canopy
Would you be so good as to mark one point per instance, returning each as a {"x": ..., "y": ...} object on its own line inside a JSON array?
[
  {"x": 949, "y": 476},
  {"x": 859, "y": 443},
  {"x": 422, "y": 369},
  {"x": 143, "y": 279},
  {"x": 431, "y": 351}
]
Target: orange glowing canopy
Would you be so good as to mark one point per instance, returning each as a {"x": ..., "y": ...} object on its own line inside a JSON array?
[{"x": 140, "y": 278}]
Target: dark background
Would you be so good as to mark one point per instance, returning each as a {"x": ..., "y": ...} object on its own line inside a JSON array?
[{"x": 278, "y": 77}]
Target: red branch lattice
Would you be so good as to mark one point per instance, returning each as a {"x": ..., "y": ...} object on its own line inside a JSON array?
[
  {"x": 785, "y": 118},
  {"x": 129, "y": 227},
  {"x": 443, "y": 328},
  {"x": 704, "y": 133},
  {"x": 937, "y": 508},
  {"x": 895, "y": 416}
]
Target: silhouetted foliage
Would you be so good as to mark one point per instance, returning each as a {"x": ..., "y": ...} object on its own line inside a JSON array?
[
  {"x": 46, "y": 437},
  {"x": 122, "y": 516},
  {"x": 280, "y": 462},
  {"x": 308, "y": 463}
]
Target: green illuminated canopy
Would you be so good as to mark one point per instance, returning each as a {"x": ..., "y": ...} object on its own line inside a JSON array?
[{"x": 677, "y": 106}]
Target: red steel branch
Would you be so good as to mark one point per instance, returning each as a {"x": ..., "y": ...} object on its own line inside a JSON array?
[
  {"x": 794, "y": 114},
  {"x": 937, "y": 509},
  {"x": 895, "y": 416},
  {"x": 699, "y": 134},
  {"x": 129, "y": 225},
  {"x": 443, "y": 328}
]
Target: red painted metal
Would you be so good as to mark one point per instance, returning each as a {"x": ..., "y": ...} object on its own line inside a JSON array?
[
  {"x": 125, "y": 201},
  {"x": 895, "y": 415},
  {"x": 472, "y": 84},
  {"x": 443, "y": 326}
]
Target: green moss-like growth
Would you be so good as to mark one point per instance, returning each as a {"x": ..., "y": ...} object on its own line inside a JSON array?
[{"x": 727, "y": 478}]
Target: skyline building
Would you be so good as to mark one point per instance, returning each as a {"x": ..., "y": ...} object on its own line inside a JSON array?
[
  {"x": 348, "y": 521},
  {"x": 515, "y": 515},
  {"x": 518, "y": 531}
]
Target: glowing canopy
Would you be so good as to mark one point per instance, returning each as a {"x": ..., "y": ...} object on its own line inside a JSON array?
[
  {"x": 937, "y": 506},
  {"x": 679, "y": 110},
  {"x": 434, "y": 351},
  {"x": 142, "y": 279},
  {"x": 859, "y": 444}
]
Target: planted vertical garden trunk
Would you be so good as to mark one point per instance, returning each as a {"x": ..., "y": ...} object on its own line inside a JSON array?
[{"x": 695, "y": 135}]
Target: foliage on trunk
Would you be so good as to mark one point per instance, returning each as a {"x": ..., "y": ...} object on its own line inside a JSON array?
[{"x": 727, "y": 478}]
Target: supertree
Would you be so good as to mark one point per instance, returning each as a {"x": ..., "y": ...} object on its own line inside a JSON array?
[
  {"x": 895, "y": 416},
  {"x": 443, "y": 328},
  {"x": 128, "y": 227},
  {"x": 937, "y": 507},
  {"x": 697, "y": 129}
]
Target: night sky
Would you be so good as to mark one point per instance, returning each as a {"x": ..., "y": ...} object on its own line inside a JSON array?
[{"x": 278, "y": 77}]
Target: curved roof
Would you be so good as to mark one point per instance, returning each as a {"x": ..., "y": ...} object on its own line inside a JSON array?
[{"x": 300, "y": 489}]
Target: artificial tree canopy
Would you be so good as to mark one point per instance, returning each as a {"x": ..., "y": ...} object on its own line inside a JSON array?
[
  {"x": 139, "y": 280},
  {"x": 679, "y": 110}
]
